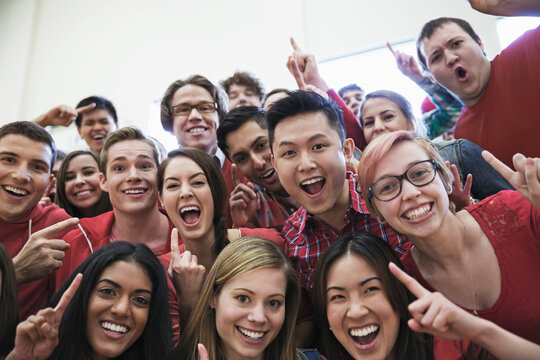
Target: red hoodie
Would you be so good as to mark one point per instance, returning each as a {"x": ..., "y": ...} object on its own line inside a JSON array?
[{"x": 33, "y": 295}]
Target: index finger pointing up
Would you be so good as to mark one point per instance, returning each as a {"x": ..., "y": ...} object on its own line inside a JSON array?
[
  {"x": 411, "y": 284},
  {"x": 295, "y": 45},
  {"x": 66, "y": 298}
]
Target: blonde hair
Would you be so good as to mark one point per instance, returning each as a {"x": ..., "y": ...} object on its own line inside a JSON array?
[
  {"x": 379, "y": 147},
  {"x": 237, "y": 258}
]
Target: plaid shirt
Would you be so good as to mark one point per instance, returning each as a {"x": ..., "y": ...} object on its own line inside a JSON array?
[
  {"x": 307, "y": 237},
  {"x": 272, "y": 210}
]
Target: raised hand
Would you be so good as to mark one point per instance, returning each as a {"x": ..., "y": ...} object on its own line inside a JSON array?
[
  {"x": 526, "y": 178},
  {"x": 407, "y": 65},
  {"x": 305, "y": 65},
  {"x": 460, "y": 196},
  {"x": 203, "y": 354},
  {"x": 507, "y": 7},
  {"x": 37, "y": 336},
  {"x": 186, "y": 273},
  {"x": 42, "y": 253},
  {"x": 243, "y": 201},
  {"x": 62, "y": 115}
]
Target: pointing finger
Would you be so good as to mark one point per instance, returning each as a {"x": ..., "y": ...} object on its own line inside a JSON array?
[
  {"x": 295, "y": 45},
  {"x": 390, "y": 48},
  {"x": 411, "y": 284},
  {"x": 66, "y": 298},
  {"x": 86, "y": 108},
  {"x": 52, "y": 230}
]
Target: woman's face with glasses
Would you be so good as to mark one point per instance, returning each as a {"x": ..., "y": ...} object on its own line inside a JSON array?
[{"x": 417, "y": 210}]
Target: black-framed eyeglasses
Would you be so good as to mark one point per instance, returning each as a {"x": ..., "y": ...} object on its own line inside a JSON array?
[
  {"x": 419, "y": 174},
  {"x": 183, "y": 110}
]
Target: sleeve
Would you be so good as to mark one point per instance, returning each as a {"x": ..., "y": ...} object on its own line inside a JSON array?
[
  {"x": 271, "y": 234},
  {"x": 352, "y": 126},
  {"x": 446, "y": 116}
]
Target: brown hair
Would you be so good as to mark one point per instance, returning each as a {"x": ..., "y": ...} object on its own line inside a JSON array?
[{"x": 9, "y": 305}]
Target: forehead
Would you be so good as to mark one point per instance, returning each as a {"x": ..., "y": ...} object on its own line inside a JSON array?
[
  {"x": 127, "y": 273},
  {"x": 399, "y": 158},
  {"x": 191, "y": 93},
  {"x": 96, "y": 115},
  {"x": 299, "y": 128},
  {"x": 182, "y": 165},
  {"x": 275, "y": 281},
  {"x": 245, "y": 134},
  {"x": 129, "y": 149},
  {"x": 82, "y": 161},
  {"x": 441, "y": 36},
  {"x": 352, "y": 93},
  {"x": 378, "y": 104},
  {"x": 26, "y": 147},
  {"x": 357, "y": 267},
  {"x": 239, "y": 88}
]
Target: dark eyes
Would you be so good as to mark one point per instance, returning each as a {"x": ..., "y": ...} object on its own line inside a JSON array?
[
  {"x": 388, "y": 117},
  {"x": 319, "y": 146},
  {"x": 368, "y": 123},
  {"x": 242, "y": 298},
  {"x": 141, "y": 300},
  {"x": 371, "y": 289},
  {"x": 287, "y": 153},
  {"x": 274, "y": 303}
]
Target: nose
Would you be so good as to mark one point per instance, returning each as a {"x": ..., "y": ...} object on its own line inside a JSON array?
[
  {"x": 120, "y": 307},
  {"x": 258, "y": 161},
  {"x": 306, "y": 162},
  {"x": 21, "y": 174},
  {"x": 185, "y": 192},
  {"x": 257, "y": 314},
  {"x": 79, "y": 179},
  {"x": 194, "y": 114},
  {"x": 133, "y": 174},
  {"x": 451, "y": 57},
  {"x": 408, "y": 190},
  {"x": 379, "y": 126},
  {"x": 357, "y": 310}
]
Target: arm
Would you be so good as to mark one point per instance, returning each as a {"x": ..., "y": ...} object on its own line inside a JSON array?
[
  {"x": 62, "y": 115},
  {"x": 436, "y": 315},
  {"x": 507, "y": 7}
]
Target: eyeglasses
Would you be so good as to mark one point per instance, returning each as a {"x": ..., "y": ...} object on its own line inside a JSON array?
[
  {"x": 419, "y": 174},
  {"x": 183, "y": 110}
]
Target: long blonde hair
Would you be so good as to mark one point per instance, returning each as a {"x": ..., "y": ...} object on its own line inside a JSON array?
[{"x": 237, "y": 258}]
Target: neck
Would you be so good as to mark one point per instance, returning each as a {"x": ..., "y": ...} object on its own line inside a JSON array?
[
  {"x": 141, "y": 227},
  {"x": 336, "y": 215},
  {"x": 203, "y": 248},
  {"x": 484, "y": 75}
]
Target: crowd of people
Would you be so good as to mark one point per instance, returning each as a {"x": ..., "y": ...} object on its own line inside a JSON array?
[{"x": 289, "y": 224}]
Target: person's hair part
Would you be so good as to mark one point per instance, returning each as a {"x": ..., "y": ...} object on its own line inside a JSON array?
[
  {"x": 402, "y": 103},
  {"x": 429, "y": 29},
  {"x": 238, "y": 258},
  {"x": 245, "y": 79},
  {"x": 234, "y": 120},
  {"x": 9, "y": 304},
  {"x": 125, "y": 134},
  {"x": 220, "y": 98},
  {"x": 101, "y": 206},
  {"x": 377, "y": 253},
  {"x": 32, "y": 131},
  {"x": 350, "y": 87},
  {"x": 303, "y": 102},
  {"x": 379, "y": 147},
  {"x": 101, "y": 103},
  {"x": 216, "y": 182},
  {"x": 156, "y": 339}
]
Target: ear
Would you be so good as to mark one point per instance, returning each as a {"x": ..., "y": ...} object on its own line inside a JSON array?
[
  {"x": 213, "y": 302},
  {"x": 348, "y": 149},
  {"x": 103, "y": 182},
  {"x": 79, "y": 131},
  {"x": 273, "y": 161},
  {"x": 481, "y": 44}
]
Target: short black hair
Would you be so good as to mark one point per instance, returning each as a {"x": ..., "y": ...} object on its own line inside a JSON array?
[
  {"x": 32, "y": 131},
  {"x": 101, "y": 103},
  {"x": 349, "y": 88},
  {"x": 235, "y": 119},
  {"x": 431, "y": 26},
  {"x": 302, "y": 102}
]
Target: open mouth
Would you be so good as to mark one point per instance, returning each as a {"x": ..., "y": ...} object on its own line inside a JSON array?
[
  {"x": 196, "y": 130},
  {"x": 99, "y": 137},
  {"x": 190, "y": 214},
  {"x": 15, "y": 191},
  {"x": 114, "y": 328},
  {"x": 267, "y": 174},
  {"x": 418, "y": 212},
  {"x": 250, "y": 334},
  {"x": 366, "y": 335},
  {"x": 461, "y": 73},
  {"x": 314, "y": 185},
  {"x": 134, "y": 191}
]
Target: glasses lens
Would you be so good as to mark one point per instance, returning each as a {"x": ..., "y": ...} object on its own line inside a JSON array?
[
  {"x": 422, "y": 173},
  {"x": 386, "y": 188},
  {"x": 181, "y": 110},
  {"x": 206, "y": 108}
]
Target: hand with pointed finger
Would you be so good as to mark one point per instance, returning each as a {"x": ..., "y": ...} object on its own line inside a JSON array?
[
  {"x": 62, "y": 115},
  {"x": 203, "y": 353},
  {"x": 186, "y": 273},
  {"x": 460, "y": 195},
  {"x": 42, "y": 253},
  {"x": 243, "y": 201},
  {"x": 407, "y": 65},
  {"x": 37, "y": 336},
  {"x": 307, "y": 66},
  {"x": 525, "y": 179}
]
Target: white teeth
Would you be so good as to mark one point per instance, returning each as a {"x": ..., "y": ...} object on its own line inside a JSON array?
[
  {"x": 364, "y": 331},
  {"x": 98, "y": 137},
  {"x": 267, "y": 174},
  {"x": 196, "y": 130},
  {"x": 189, "y": 208},
  {"x": 83, "y": 193},
  {"x": 416, "y": 213},
  {"x": 115, "y": 328},
  {"x": 312, "y": 181},
  {"x": 251, "y": 334},
  {"x": 15, "y": 190},
  {"x": 138, "y": 191}
]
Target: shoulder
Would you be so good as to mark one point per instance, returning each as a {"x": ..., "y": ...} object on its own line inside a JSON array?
[{"x": 309, "y": 354}]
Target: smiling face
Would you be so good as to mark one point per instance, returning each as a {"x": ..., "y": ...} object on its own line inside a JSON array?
[
  {"x": 457, "y": 62},
  {"x": 353, "y": 99},
  {"x": 196, "y": 130},
  {"x": 416, "y": 211},
  {"x": 118, "y": 309},
  {"x": 24, "y": 175},
  {"x": 250, "y": 312},
  {"x": 82, "y": 182},
  {"x": 381, "y": 115},
  {"x": 311, "y": 162},
  {"x": 359, "y": 313},
  {"x": 187, "y": 198},
  {"x": 131, "y": 177},
  {"x": 95, "y": 126},
  {"x": 241, "y": 95},
  {"x": 249, "y": 149}
]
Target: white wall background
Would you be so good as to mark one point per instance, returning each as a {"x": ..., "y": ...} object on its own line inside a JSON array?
[{"x": 60, "y": 51}]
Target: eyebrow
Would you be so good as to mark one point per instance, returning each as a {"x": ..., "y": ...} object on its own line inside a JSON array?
[
  {"x": 115, "y": 284},
  {"x": 191, "y": 177},
  {"x": 199, "y": 103},
  {"x": 362, "y": 283},
  {"x": 314, "y": 137},
  {"x": 123, "y": 158},
  {"x": 252, "y": 292}
]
